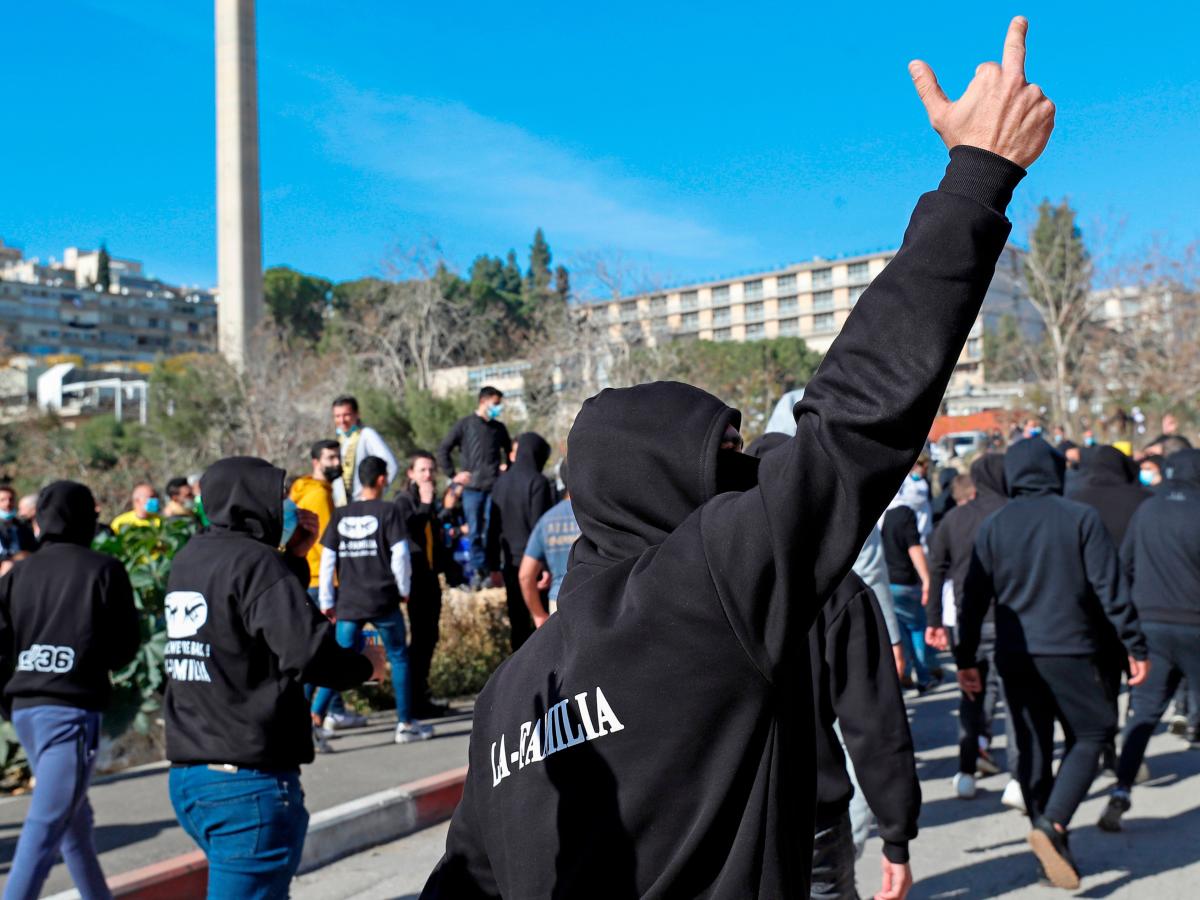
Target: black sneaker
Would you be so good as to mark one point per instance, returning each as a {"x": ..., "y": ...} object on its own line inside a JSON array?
[
  {"x": 1110, "y": 819},
  {"x": 1050, "y": 847}
]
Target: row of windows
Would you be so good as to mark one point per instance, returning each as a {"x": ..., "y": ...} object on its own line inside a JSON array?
[
  {"x": 821, "y": 323},
  {"x": 689, "y": 300}
]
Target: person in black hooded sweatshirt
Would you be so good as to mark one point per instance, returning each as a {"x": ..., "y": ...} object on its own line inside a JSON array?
[
  {"x": 1052, "y": 570},
  {"x": 655, "y": 737},
  {"x": 67, "y": 619},
  {"x": 1160, "y": 563},
  {"x": 243, "y": 639},
  {"x": 522, "y": 495}
]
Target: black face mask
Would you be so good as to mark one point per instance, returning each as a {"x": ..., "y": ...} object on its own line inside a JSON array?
[
  {"x": 332, "y": 473},
  {"x": 736, "y": 471}
]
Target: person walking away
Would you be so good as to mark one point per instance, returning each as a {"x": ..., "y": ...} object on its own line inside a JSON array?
[
  {"x": 677, "y": 771},
  {"x": 366, "y": 547},
  {"x": 242, "y": 639},
  {"x": 856, "y": 693},
  {"x": 356, "y": 441},
  {"x": 945, "y": 499},
  {"x": 425, "y": 515},
  {"x": 16, "y": 536},
  {"x": 1052, "y": 570},
  {"x": 950, "y": 559},
  {"x": 484, "y": 444},
  {"x": 67, "y": 619},
  {"x": 314, "y": 492},
  {"x": 1160, "y": 564},
  {"x": 546, "y": 558},
  {"x": 908, "y": 576},
  {"x": 522, "y": 495},
  {"x": 145, "y": 511}
]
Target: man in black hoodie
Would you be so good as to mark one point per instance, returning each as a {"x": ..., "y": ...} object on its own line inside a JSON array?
[
  {"x": 522, "y": 495},
  {"x": 1052, "y": 569},
  {"x": 1110, "y": 485},
  {"x": 949, "y": 561},
  {"x": 655, "y": 736},
  {"x": 67, "y": 619},
  {"x": 242, "y": 640},
  {"x": 1160, "y": 562}
]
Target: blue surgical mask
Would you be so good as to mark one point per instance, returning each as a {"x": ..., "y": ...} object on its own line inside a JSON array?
[
  {"x": 289, "y": 521},
  {"x": 7, "y": 515},
  {"x": 495, "y": 410},
  {"x": 1035, "y": 432},
  {"x": 346, "y": 432},
  {"x": 1146, "y": 478},
  {"x": 1089, "y": 441},
  {"x": 914, "y": 476},
  {"x": 152, "y": 506}
]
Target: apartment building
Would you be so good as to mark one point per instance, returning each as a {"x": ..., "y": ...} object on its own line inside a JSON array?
[
  {"x": 56, "y": 308},
  {"x": 808, "y": 300}
]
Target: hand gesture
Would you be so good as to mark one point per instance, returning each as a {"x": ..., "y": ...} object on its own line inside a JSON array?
[
  {"x": 463, "y": 478},
  {"x": 308, "y": 529},
  {"x": 1000, "y": 111},
  {"x": 897, "y": 879},
  {"x": 937, "y": 638},
  {"x": 970, "y": 683},
  {"x": 1139, "y": 670}
]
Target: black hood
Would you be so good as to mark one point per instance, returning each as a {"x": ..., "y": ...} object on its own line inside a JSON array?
[
  {"x": 1109, "y": 466},
  {"x": 532, "y": 451},
  {"x": 987, "y": 473},
  {"x": 1183, "y": 466},
  {"x": 760, "y": 446},
  {"x": 642, "y": 460},
  {"x": 66, "y": 513},
  {"x": 245, "y": 494},
  {"x": 1031, "y": 467}
]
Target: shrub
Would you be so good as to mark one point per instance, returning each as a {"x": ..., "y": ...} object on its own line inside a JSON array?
[{"x": 474, "y": 641}]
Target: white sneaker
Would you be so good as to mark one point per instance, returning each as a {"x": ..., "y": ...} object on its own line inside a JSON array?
[
  {"x": 407, "y": 732},
  {"x": 1012, "y": 796},
  {"x": 321, "y": 740},
  {"x": 343, "y": 721},
  {"x": 964, "y": 786}
]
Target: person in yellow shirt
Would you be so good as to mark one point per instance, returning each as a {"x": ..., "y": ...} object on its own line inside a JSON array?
[
  {"x": 145, "y": 512},
  {"x": 314, "y": 492}
]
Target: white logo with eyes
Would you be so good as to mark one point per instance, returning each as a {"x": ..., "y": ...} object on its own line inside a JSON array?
[
  {"x": 187, "y": 611},
  {"x": 355, "y": 528}
]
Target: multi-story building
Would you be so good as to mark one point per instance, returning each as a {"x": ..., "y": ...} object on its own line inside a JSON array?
[
  {"x": 809, "y": 300},
  {"x": 56, "y": 308}
]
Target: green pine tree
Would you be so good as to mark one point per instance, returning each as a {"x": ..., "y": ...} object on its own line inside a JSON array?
[{"x": 103, "y": 269}]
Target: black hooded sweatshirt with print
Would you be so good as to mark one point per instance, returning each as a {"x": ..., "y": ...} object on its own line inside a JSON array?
[
  {"x": 242, "y": 636},
  {"x": 67, "y": 616},
  {"x": 954, "y": 539},
  {"x": 1109, "y": 484},
  {"x": 1051, "y": 567},
  {"x": 1160, "y": 559},
  {"x": 521, "y": 496},
  {"x": 655, "y": 737}
]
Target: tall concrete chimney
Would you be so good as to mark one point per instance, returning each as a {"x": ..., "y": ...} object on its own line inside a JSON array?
[{"x": 239, "y": 219}]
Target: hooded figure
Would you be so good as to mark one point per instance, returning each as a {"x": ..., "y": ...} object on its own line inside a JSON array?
[
  {"x": 944, "y": 501},
  {"x": 242, "y": 640},
  {"x": 521, "y": 496},
  {"x": 1109, "y": 484},
  {"x": 67, "y": 619},
  {"x": 655, "y": 737}
]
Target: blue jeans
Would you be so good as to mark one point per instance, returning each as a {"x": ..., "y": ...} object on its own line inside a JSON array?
[
  {"x": 910, "y": 615},
  {"x": 392, "y": 632},
  {"x": 60, "y": 742},
  {"x": 477, "y": 507},
  {"x": 250, "y": 824},
  {"x": 337, "y": 707}
]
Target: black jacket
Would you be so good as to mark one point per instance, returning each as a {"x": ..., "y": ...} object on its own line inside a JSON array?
[
  {"x": 954, "y": 540},
  {"x": 424, "y": 523},
  {"x": 1160, "y": 558},
  {"x": 520, "y": 497},
  {"x": 243, "y": 637},
  {"x": 67, "y": 616},
  {"x": 483, "y": 445},
  {"x": 855, "y": 684},
  {"x": 1051, "y": 567},
  {"x": 944, "y": 501},
  {"x": 1110, "y": 485},
  {"x": 655, "y": 737}
]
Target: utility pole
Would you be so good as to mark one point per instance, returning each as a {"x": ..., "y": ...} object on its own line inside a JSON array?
[{"x": 239, "y": 219}]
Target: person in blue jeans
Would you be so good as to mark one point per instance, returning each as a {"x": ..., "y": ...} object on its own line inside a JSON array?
[
  {"x": 366, "y": 546},
  {"x": 67, "y": 619},
  {"x": 908, "y": 574}
]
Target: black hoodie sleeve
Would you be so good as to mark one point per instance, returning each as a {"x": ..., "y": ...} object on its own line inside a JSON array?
[
  {"x": 864, "y": 416},
  {"x": 870, "y": 709},
  {"x": 122, "y": 625},
  {"x": 464, "y": 871},
  {"x": 939, "y": 567},
  {"x": 446, "y": 448},
  {"x": 301, "y": 639},
  {"x": 978, "y": 591},
  {"x": 1102, "y": 566}
]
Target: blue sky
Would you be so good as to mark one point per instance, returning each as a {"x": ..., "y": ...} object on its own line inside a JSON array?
[{"x": 673, "y": 142}]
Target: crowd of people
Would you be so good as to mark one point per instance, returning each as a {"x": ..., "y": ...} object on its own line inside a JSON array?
[{"x": 711, "y": 643}]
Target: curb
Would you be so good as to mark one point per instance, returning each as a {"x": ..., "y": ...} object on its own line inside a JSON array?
[{"x": 333, "y": 833}]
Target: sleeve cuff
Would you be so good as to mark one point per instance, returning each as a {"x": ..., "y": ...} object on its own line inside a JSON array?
[
  {"x": 982, "y": 176},
  {"x": 896, "y": 853}
]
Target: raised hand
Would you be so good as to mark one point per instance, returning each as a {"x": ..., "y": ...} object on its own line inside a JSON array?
[{"x": 1000, "y": 111}]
